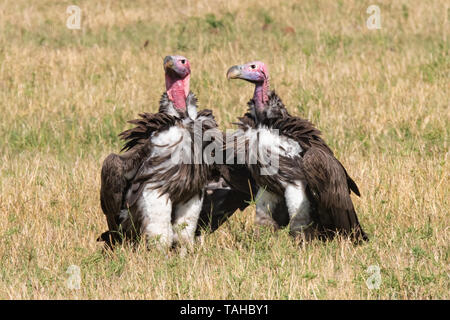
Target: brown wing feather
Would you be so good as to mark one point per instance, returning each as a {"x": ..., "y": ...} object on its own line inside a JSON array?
[
  {"x": 328, "y": 184},
  {"x": 113, "y": 184},
  {"x": 230, "y": 189},
  {"x": 146, "y": 125},
  {"x": 308, "y": 136}
]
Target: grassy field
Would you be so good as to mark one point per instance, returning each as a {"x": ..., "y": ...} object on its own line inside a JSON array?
[{"x": 381, "y": 98}]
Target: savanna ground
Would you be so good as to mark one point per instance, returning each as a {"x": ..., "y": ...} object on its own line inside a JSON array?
[{"x": 381, "y": 98}]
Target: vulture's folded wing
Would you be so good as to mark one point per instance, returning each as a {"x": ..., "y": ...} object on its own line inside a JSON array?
[
  {"x": 112, "y": 190},
  {"x": 113, "y": 184},
  {"x": 119, "y": 170},
  {"x": 329, "y": 186}
]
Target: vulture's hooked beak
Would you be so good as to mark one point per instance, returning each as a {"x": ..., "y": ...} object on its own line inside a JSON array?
[
  {"x": 168, "y": 63},
  {"x": 234, "y": 72}
]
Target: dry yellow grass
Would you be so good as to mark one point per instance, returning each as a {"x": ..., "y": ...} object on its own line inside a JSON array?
[{"x": 381, "y": 98}]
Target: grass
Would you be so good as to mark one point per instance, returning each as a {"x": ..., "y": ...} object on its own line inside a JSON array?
[{"x": 381, "y": 98}]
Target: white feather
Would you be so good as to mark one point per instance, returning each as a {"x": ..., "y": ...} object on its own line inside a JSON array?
[
  {"x": 192, "y": 111},
  {"x": 186, "y": 218},
  {"x": 270, "y": 139},
  {"x": 297, "y": 202},
  {"x": 156, "y": 210}
]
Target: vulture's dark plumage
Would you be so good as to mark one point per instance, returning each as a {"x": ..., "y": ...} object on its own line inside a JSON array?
[
  {"x": 155, "y": 188},
  {"x": 305, "y": 186}
]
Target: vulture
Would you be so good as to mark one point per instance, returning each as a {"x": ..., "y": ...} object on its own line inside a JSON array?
[
  {"x": 156, "y": 188},
  {"x": 300, "y": 182}
]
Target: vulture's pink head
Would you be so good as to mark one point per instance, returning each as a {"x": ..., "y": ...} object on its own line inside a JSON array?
[
  {"x": 177, "y": 67},
  {"x": 255, "y": 72},
  {"x": 178, "y": 71}
]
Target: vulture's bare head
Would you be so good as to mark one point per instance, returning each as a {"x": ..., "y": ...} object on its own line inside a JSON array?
[
  {"x": 177, "y": 67},
  {"x": 178, "y": 73},
  {"x": 254, "y": 72}
]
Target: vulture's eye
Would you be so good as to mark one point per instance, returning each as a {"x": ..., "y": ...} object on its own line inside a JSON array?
[
  {"x": 253, "y": 66},
  {"x": 183, "y": 61}
]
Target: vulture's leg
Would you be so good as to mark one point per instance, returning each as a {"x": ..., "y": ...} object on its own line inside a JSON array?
[
  {"x": 185, "y": 220},
  {"x": 154, "y": 210},
  {"x": 266, "y": 203},
  {"x": 299, "y": 209}
]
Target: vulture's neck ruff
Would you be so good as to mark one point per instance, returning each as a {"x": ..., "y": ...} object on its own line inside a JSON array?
[{"x": 177, "y": 90}]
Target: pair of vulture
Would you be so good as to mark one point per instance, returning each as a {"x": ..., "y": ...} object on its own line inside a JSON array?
[{"x": 156, "y": 189}]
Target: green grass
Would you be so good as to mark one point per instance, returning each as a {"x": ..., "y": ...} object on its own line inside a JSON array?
[{"x": 380, "y": 97}]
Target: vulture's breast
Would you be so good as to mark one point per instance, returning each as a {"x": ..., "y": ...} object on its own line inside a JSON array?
[
  {"x": 277, "y": 161},
  {"x": 171, "y": 166},
  {"x": 170, "y": 142},
  {"x": 268, "y": 141}
]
